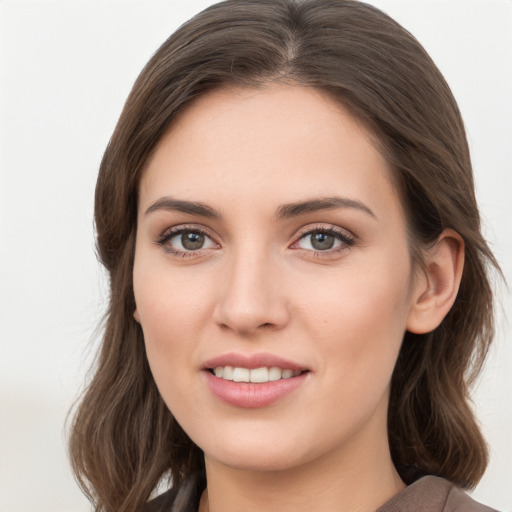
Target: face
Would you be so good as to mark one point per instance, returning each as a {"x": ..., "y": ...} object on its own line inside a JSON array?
[{"x": 272, "y": 277}]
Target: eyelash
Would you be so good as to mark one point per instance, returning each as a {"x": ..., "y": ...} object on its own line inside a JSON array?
[
  {"x": 346, "y": 240},
  {"x": 342, "y": 236},
  {"x": 163, "y": 241}
]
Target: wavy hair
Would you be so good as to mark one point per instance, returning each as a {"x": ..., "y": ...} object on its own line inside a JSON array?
[{"x": 124, "y": 440}]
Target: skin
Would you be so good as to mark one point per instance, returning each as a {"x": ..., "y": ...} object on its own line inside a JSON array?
[{"x": 257, "y": 285}]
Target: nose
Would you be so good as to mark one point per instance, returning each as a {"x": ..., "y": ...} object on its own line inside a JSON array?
[{"x": 251, "y": 298}]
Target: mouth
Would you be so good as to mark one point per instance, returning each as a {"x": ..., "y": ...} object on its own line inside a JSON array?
[
  {"x": 254, "y": 375},
  {"x": 254, "y": 380}
]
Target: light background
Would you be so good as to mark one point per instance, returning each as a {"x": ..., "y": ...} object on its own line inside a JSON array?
[{"x": 66, "y": 69}]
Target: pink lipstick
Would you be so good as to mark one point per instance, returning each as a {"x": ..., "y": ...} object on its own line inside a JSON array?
[{"x": 251, "y": 381}]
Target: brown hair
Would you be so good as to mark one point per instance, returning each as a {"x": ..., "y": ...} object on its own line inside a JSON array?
[{"x": 124, "y": 439}]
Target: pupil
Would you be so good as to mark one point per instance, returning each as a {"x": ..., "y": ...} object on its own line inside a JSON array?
[
  {"x": 192, "y": 241},
  {"x": 322, "y": 241}
]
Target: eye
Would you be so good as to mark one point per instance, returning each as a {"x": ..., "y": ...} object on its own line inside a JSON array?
[
  {"x": 327, "y": 240},
  {"x": 319, "y": 241},
  {"x": 186, "y": 240}
]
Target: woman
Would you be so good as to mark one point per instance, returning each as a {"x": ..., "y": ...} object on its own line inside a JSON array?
[{"x": 299, "y": 287}]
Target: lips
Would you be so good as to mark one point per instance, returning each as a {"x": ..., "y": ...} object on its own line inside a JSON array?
[
  {"x": 257, "y": 380},
  {"x": 252, "y": 361}
]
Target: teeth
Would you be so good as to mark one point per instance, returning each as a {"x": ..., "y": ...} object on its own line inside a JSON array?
[
  {"x": 274, "y": 374},
  {"x": 287, "y": 374},
  {"x": 241, "y": 374},
  {"x": 227, "y": 373},
  {"x": 259, "y": 375}
]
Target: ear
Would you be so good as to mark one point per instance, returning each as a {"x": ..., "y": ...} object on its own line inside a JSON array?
[
  {"x": 436, "y": 287},
  {"x": 136, "y": 315}
]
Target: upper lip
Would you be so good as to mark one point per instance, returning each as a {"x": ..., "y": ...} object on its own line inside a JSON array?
[{"x": 252, "y": 361}]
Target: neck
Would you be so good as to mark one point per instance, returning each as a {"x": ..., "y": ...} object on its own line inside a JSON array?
[{"x": 357, "y": 480}]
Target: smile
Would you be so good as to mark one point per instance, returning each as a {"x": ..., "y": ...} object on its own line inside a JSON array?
[
  {"x": 257, "y": 375},
  {"x": 253, "y": 380}
]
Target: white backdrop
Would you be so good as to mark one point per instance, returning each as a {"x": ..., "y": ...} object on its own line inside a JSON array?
[{"x": 66, "y": 69}]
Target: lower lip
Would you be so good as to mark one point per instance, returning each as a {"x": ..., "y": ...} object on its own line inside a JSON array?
[{"x": 252, "y": 395}]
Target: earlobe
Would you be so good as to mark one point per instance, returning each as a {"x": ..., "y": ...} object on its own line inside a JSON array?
[
  {"x": 435, "y": 291},
  {"x": 136, "y": 316}
]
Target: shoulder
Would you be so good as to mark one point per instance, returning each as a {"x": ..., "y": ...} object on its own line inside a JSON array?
[
  {"x": 428, "y": 494},
  {"x": 183, "y": 498},
  {"x": 162, "y": 503},
  {"x": 458, "y": 501},
  {"x": 433, "y": 494}
]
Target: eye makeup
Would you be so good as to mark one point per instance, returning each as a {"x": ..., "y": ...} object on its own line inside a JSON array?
[
  {"x": 323, "y": 241},
  {"x": 319, "y": 240},
  {"x": 186, "y": 241}
]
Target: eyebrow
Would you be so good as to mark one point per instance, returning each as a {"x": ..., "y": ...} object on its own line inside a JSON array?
[
  {"x": 325, "y": 203},
  {"x": 177, "y": 205},
  {"x": 285, "y": 211}
]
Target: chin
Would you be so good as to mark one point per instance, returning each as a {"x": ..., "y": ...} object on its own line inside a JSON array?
[
  {"x": 265, "y": 452},
  {"x": 256, "y": 460}
]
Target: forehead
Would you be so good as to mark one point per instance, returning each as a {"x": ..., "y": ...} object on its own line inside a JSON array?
[{"x": 280, "y": 142}]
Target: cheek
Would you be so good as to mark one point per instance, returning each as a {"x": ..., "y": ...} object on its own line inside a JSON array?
[
  {"x": 168, "y": 302},
  {"x": 359, "y": 324},
  {"x": 170, "y": 342},
  {"x": 171, "y": 310},
  {"x": 359, "y": 338}
]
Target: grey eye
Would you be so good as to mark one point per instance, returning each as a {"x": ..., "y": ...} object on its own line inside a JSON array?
[
  {"x": 188, "y": 240},
  {"x": 322, "y": 241},
  {"x": 192, "y": 241}
]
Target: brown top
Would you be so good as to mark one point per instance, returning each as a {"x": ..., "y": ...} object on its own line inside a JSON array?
[
  {"x": 428, "y": 494},
  {"x": 432, "y": 494}
]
